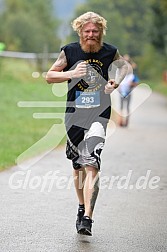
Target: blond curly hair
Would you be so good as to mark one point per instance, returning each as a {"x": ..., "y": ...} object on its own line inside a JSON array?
[{"x": 87, "y": 17}]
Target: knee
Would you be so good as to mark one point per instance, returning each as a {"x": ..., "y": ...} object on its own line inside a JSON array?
[{"x": 91, "y": 171}]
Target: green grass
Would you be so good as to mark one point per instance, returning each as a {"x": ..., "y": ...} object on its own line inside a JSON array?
[
  {"x": 160, "y": 87},
  {"x": 18, "y": 129}
]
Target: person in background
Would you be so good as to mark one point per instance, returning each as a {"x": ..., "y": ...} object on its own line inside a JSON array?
[
  {"x": 84, "y": 64},
  {"x": 130, "y": 81}
]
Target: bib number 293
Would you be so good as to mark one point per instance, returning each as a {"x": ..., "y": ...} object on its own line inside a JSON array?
[{"x": 87, "y": 99}]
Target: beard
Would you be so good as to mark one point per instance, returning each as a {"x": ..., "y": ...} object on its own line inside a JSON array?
[{"x": 91, "y": 48}]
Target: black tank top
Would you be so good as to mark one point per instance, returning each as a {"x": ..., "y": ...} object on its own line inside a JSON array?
[{"x": 88, "y": 102}]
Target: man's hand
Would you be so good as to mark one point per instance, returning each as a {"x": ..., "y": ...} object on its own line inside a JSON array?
[
  {"x": 110, "y": 86},
  {"x": 79, "y": 71}
]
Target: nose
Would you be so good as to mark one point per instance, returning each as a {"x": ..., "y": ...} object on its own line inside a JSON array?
[{"x": 90, "y": 34}]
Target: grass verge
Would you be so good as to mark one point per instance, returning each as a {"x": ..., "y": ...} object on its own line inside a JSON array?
[{"x": 18, "y": 129}]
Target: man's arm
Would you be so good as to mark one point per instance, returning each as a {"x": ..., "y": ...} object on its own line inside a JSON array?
[
  {"x": 123, "y": 68},
  {"x": 56, "y": 74}
]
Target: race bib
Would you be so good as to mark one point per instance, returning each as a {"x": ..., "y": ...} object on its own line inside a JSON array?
[{"x": 87, "y": 99}]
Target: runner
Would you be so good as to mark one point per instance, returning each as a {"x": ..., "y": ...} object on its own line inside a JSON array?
[
  {"x": 85, "y": 66},
  {"x": 130, "y": 81}
]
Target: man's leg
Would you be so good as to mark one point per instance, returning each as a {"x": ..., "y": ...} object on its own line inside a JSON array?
[
  {"x": 79, "y": 179},
  {"x": 90, "y": 193},
  {"x": 120, "y": 120},
  {"x": 91, "y": 189},
  {"x": 128, "y": 98},
  {"x": 87, "y": 187},
  {"x": 89, "y": 158}
]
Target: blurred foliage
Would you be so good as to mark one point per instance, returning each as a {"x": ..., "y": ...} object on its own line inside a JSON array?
[
  {"x": 126, "y": 22},
  {"x": 138, "y": 28},
  {"x": 159, "y": 28},
  {"x": 29, "y": 26}
]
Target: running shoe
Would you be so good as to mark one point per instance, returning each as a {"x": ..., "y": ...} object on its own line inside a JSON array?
[
  {"x": 85, "y": 226},
  {"x": 80, "y": 214}
]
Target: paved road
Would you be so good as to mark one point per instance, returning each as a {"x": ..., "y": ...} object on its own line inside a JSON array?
[{"x": 127, "y": 216}]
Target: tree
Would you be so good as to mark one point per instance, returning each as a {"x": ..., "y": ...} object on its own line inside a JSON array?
[
  {"x": 159, "y": 28},
  {"x": 128, "y": 23},
  {"x": 29, "y": 26}
]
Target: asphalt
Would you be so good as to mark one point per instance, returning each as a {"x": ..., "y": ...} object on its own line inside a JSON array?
[{"x": 38, "y": 214}]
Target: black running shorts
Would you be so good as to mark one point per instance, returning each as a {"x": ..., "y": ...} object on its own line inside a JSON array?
[{"x": 84, "y": 146}]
